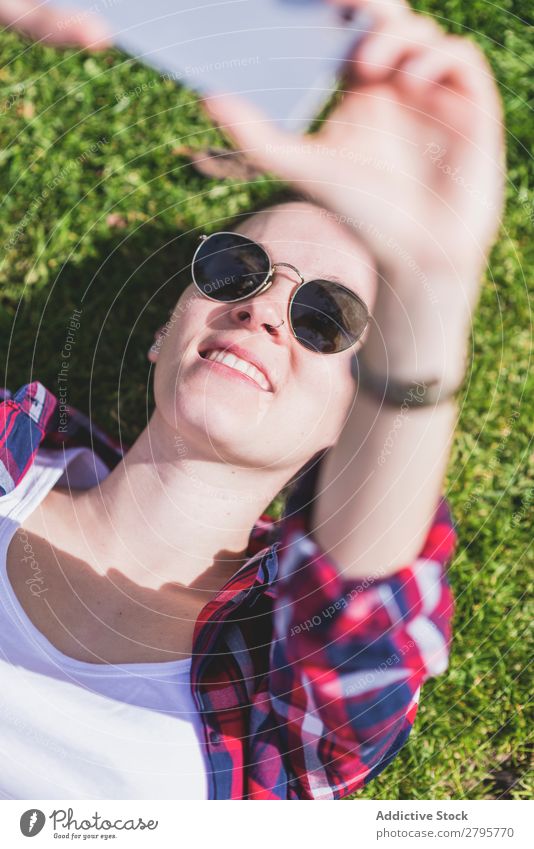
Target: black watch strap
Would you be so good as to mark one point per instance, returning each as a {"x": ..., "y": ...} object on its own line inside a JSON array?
[{"x": 397, "y": 393}]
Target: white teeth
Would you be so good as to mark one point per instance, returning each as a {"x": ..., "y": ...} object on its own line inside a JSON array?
[
  {"x": 229, "y": 360},
  {"x": 239, "y": 365}
]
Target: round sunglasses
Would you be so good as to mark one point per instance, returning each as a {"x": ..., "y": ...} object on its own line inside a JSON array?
[{"x": 324, "y": 316}]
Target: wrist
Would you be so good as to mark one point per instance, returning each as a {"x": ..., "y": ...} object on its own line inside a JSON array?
[
  {"x": 404, "y": 392},
  {"x": 421, "y": 341}
]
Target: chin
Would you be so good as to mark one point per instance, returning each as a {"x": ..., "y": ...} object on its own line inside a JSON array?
[{"x": 220, "y": 430}]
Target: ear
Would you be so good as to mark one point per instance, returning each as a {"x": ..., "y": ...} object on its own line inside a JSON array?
[{"x": 153, "y": 351}]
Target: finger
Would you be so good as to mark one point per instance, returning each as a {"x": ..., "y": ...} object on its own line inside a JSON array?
[
  {"x": 454, "y": 83},
  {"x": 251, "y": 132},
  {"x": 457, "y": 65},
  {"x": 380, "y": 10},
  {"x": 91, "y": 32},
  {"x": 384, "y": 50},
  {"x": 57, "y": 27}
]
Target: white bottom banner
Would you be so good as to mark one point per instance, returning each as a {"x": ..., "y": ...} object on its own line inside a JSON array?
[{"x": 152, "y": 823}]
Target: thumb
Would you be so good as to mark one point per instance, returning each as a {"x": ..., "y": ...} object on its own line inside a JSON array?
[{"x": 256, "y": 136}]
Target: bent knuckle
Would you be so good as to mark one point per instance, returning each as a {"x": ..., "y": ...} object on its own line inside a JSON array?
[
  {"x": 466, "y": 51},
  {"x": 416, "y": 30}
]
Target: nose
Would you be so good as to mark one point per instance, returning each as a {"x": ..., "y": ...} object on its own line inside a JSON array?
[
  {"x": 257, "y": 318},
  {"x": 265, "y": 311}
]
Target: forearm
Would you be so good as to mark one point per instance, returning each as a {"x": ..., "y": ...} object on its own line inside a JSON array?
[{"x": 380, "y": 484}]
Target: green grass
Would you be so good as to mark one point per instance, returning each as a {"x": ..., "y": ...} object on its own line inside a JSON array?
[{"x": 73, "y": 151}]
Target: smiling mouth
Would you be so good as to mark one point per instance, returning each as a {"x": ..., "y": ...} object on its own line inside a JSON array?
[{"x": 242, "y": 367}]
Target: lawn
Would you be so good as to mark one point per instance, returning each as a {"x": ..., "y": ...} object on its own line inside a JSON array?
[{"x": 99, "y": 212}]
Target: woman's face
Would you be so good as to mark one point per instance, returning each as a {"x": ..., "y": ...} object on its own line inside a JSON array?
[{"x": 304, "y": 406}]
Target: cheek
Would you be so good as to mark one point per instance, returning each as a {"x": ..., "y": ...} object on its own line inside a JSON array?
[
  {"x": 180, "y": 337},
  {"x": 187, "y": 325}
]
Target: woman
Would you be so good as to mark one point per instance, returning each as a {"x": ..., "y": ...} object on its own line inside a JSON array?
[{"x": 158, "y": 639}]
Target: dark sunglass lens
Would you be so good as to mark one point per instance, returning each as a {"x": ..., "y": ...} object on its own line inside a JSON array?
[
  {"x": 228, "y": 267},
  {"x": 327, "y": 317}
]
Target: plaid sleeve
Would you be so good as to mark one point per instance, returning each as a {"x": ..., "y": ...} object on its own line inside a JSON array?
[
  {"x": 33, "y": 417},
  {"x": 24, "y": 419},
  {"x": 349, "y": 657}
]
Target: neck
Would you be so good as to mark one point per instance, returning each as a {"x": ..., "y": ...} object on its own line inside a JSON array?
[{"x": 167, "y": 514}]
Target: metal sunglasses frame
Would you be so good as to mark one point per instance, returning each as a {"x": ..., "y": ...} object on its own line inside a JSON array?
[{"x": 267, "y": 283}]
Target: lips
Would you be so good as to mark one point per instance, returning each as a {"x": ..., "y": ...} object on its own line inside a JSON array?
[{"x": 240, "y": 356}]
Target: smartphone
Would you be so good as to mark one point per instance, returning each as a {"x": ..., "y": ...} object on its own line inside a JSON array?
[{"x": 283, "y": 55}]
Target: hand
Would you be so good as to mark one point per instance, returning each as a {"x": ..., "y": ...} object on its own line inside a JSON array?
[
  {"x": 58, "y": 27},
  {"x": 412, "y": 157}
]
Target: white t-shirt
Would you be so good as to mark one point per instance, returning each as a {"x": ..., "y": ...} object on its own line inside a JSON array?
[{"x": 76, "y": 730}]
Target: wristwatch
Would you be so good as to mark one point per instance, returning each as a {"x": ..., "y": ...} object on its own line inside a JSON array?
[{"x": 398, "y": 393}]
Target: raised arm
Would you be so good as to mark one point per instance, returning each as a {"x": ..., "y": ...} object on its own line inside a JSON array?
[{"x": 418, "y": 175}]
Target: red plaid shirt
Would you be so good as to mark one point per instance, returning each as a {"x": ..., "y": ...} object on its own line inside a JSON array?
[{"x": 307, "y": 683}]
